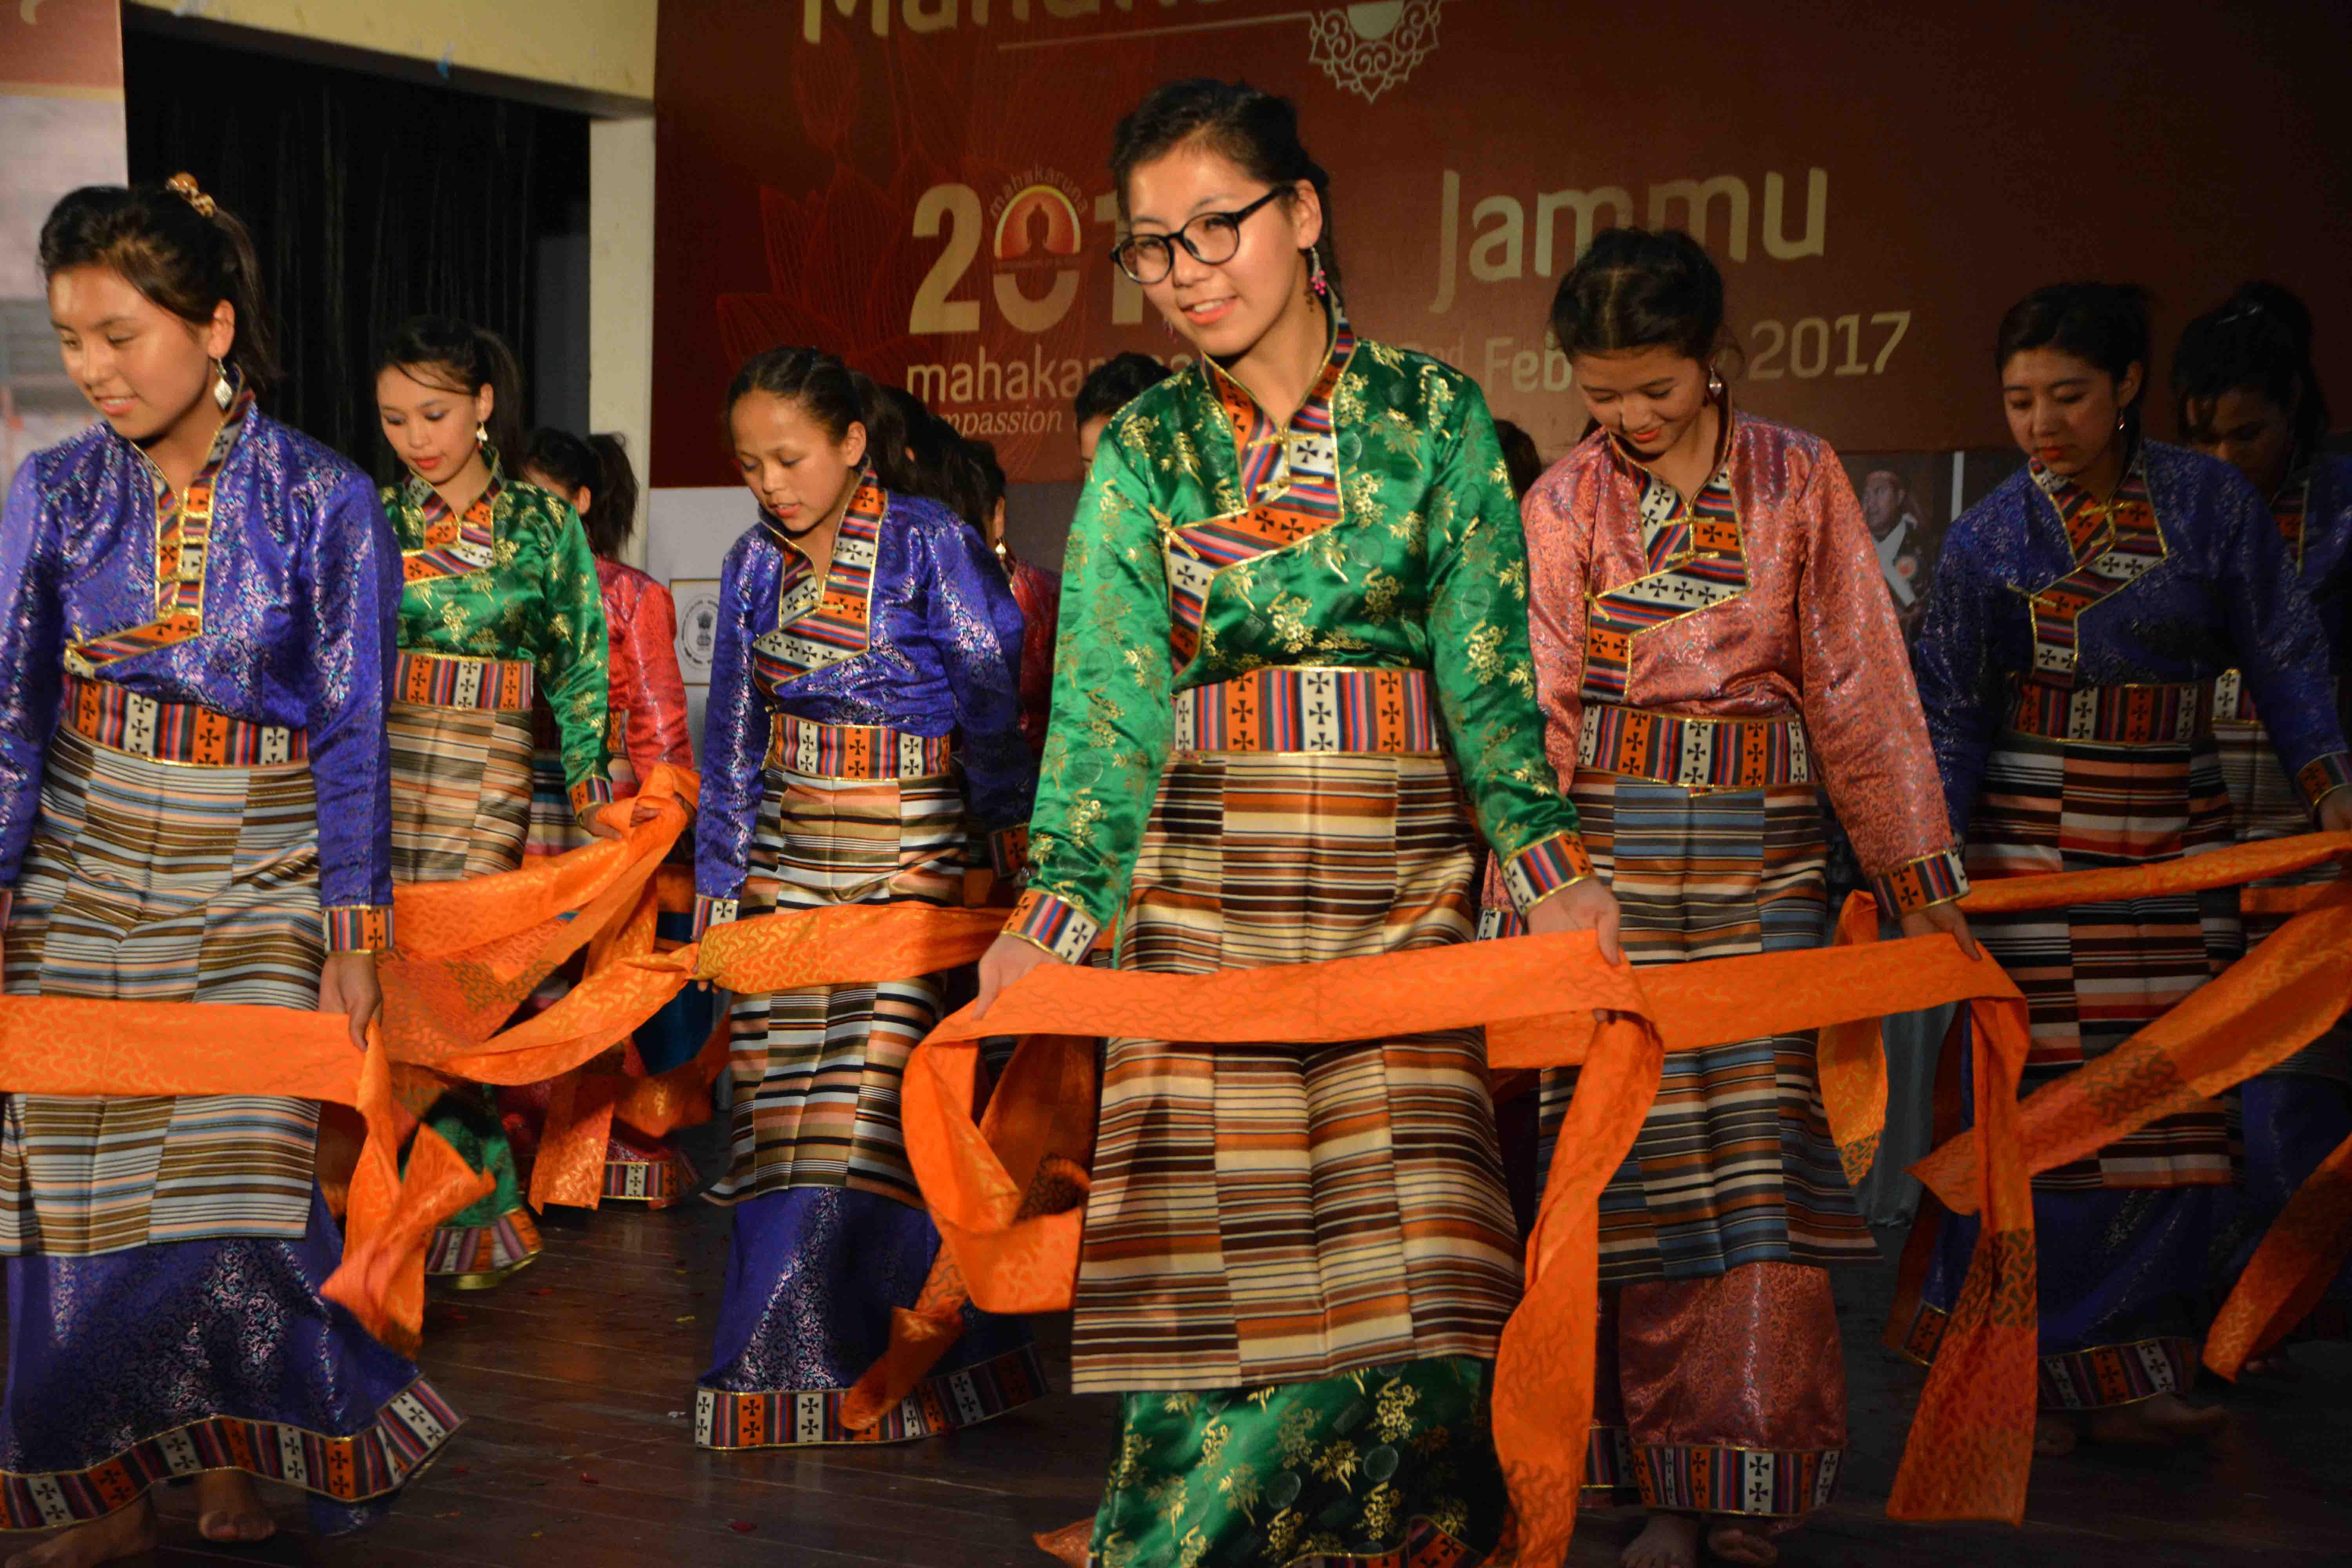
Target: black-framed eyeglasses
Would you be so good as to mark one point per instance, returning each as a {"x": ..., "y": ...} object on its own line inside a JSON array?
[{"x": 1210, "y": 239}]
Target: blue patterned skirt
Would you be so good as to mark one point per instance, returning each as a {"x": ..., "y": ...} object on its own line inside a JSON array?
[
  {"x": 812, "y": 1276},
  {"x": 130, "y": 1368}
]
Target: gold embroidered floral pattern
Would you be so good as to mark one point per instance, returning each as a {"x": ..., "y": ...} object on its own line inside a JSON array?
[{"x": 1378, "y": 537}]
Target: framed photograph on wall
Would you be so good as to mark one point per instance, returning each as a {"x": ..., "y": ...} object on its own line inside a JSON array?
[{"x": 698, "y": 627}]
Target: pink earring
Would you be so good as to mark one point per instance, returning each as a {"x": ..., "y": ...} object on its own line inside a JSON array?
[{"x": 1317, "y": 283}]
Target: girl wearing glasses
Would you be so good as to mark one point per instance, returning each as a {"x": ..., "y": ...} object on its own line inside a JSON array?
[
  {"x": 1713, "y": 643},
  {"x": 2080, "y": 616},
  {"x": 1293, "y": 663}
]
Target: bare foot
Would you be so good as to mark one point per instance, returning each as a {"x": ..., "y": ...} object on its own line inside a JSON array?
[
  {"x": 1737, "y": 1540},
  {"x": 229, "y": 1509},
  {"x": 2167, "y": 1421},
  {"x": 2056, "y": 1435},
  {"x": 1072, "y": 1543},
  {"x": 126, "y": 1532},
  {"x": 1668, "y": 1540}
]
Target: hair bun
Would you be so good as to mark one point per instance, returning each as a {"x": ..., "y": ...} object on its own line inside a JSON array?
[{"x": 184, "y": 185}]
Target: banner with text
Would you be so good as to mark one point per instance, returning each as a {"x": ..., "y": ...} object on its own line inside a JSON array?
[{"x": 921, "y": 186}]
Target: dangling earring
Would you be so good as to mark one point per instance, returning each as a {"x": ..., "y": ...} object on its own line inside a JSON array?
[
  {"x": 481, "y": 435},
  {"x": 1714, "y": 383},
  {"x": 1317, "y": 285},
  {"x": 223, "y": 393}
]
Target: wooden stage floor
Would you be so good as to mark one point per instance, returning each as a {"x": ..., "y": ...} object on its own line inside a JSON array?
[{"x": 577, "y": 1376}]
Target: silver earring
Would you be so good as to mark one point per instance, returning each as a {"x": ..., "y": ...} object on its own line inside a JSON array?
[
  {"x": 223, "y": 393},
  {"x": 481, "y": 435},
  {"x": 1318, "y": 284},
  {"x": 1714, "y": 383}
]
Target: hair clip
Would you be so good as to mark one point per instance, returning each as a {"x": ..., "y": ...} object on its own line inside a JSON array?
[{"x": 184, "y": 185}]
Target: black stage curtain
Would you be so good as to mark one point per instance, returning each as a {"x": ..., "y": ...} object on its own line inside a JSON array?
[{"x": 369, "y": 201}]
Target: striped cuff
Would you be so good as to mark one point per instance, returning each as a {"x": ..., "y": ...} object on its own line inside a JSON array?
[
  {"x": 1053, "y": 923},
  {"x": 1543, "y": 868},
  {"x": 590, "y": 793},
  {"x": 1915, "y": 885},
  {"x": 1008, "y": 852},
  {"x": 2320, "y": 779},
  {"x": 709, "y": 911},
  {"x": 358, "y": 928}
]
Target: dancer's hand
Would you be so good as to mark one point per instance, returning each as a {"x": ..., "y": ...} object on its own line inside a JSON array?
[
  {"x": 347, "y": 983},
  {"x": 593, "y": 819},
  {"x": 1007, "y": 960},
  {"x": 2336, "y": 811},
  {"x": 1589, "y": 906},
  {"x": 1943, "y": 918}
]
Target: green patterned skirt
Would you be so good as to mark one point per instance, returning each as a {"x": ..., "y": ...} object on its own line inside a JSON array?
[{"x": 1384, "y": 1465}]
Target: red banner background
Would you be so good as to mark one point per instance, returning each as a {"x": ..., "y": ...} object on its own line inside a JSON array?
[{"x": 922, "y": 184}]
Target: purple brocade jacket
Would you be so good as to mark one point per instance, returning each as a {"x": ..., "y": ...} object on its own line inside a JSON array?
[
  {"x": 911, "y": 628},
  {"x": 280, "y": 611},
  {"x": 2317, "y": 499},
  {"x": 2213, "y": 590}
]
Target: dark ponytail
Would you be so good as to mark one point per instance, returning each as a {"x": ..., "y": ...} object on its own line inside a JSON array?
[
  {"x": 829, "y": 393},
  {"x": 2259, "y": 341},
  {"x": 1638, "y": 289},
  {"x": 177, "y": 246},
  {"x": 459, "y": 356},
  {"x": 1256, "y": 130},
  {"x": 599, "y": 465}
]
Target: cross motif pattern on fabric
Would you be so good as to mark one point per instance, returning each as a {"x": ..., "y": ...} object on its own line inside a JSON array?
[
  {"x": 1695, "y": 560},
  {"x": 2114, "y": 545},
  {"x": 821, "y": 621},
  {"x": 183, "y": 528},
  {"x": 453, "y": 546},
  {"x": 1289, "y": 487}
]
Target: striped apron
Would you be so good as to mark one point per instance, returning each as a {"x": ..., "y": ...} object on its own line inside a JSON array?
[
  {"x": 158, "y": 872},
  {"x": 1721, "y": 1384},
  {"x": 2082, "y": 780},
  {"x": 461, "y": 732},
  {"x": 1710, "y": 832},
  {"x": 830, "y": 1237},
  {"x": 1279, "y": 1213}
]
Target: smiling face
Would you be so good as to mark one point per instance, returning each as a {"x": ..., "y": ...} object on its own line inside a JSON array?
[
  {"x": 791, "y": 462},
  {"x": 1226, "y": 307},
  {"x": 2246, "y": 430},
  {"x": 429, "y": 423},
  {"x": 2064, "y": 411},
  {"x": 1648, "y": 398},
  {"x": 145, "y": 370}
]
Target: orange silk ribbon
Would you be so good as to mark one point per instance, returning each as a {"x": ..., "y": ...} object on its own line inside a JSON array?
[
  {"x": 1972, "y": 1438},
  {"x": 67, "y": 1046},
  {"x": 1007, "y": 1191}
]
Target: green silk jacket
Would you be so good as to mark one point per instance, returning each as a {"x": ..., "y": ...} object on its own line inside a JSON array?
[
  {"x": 1375, "y": 531},
  {"x": 513, "y": 579}
]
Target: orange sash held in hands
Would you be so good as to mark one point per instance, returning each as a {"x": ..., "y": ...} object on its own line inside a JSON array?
[
  {"x": 67, "y": 1046},
  {"x": 1972, "y": 1440}
]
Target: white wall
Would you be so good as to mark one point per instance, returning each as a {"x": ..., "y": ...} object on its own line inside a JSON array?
[{"x": 621, "y": 296}]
